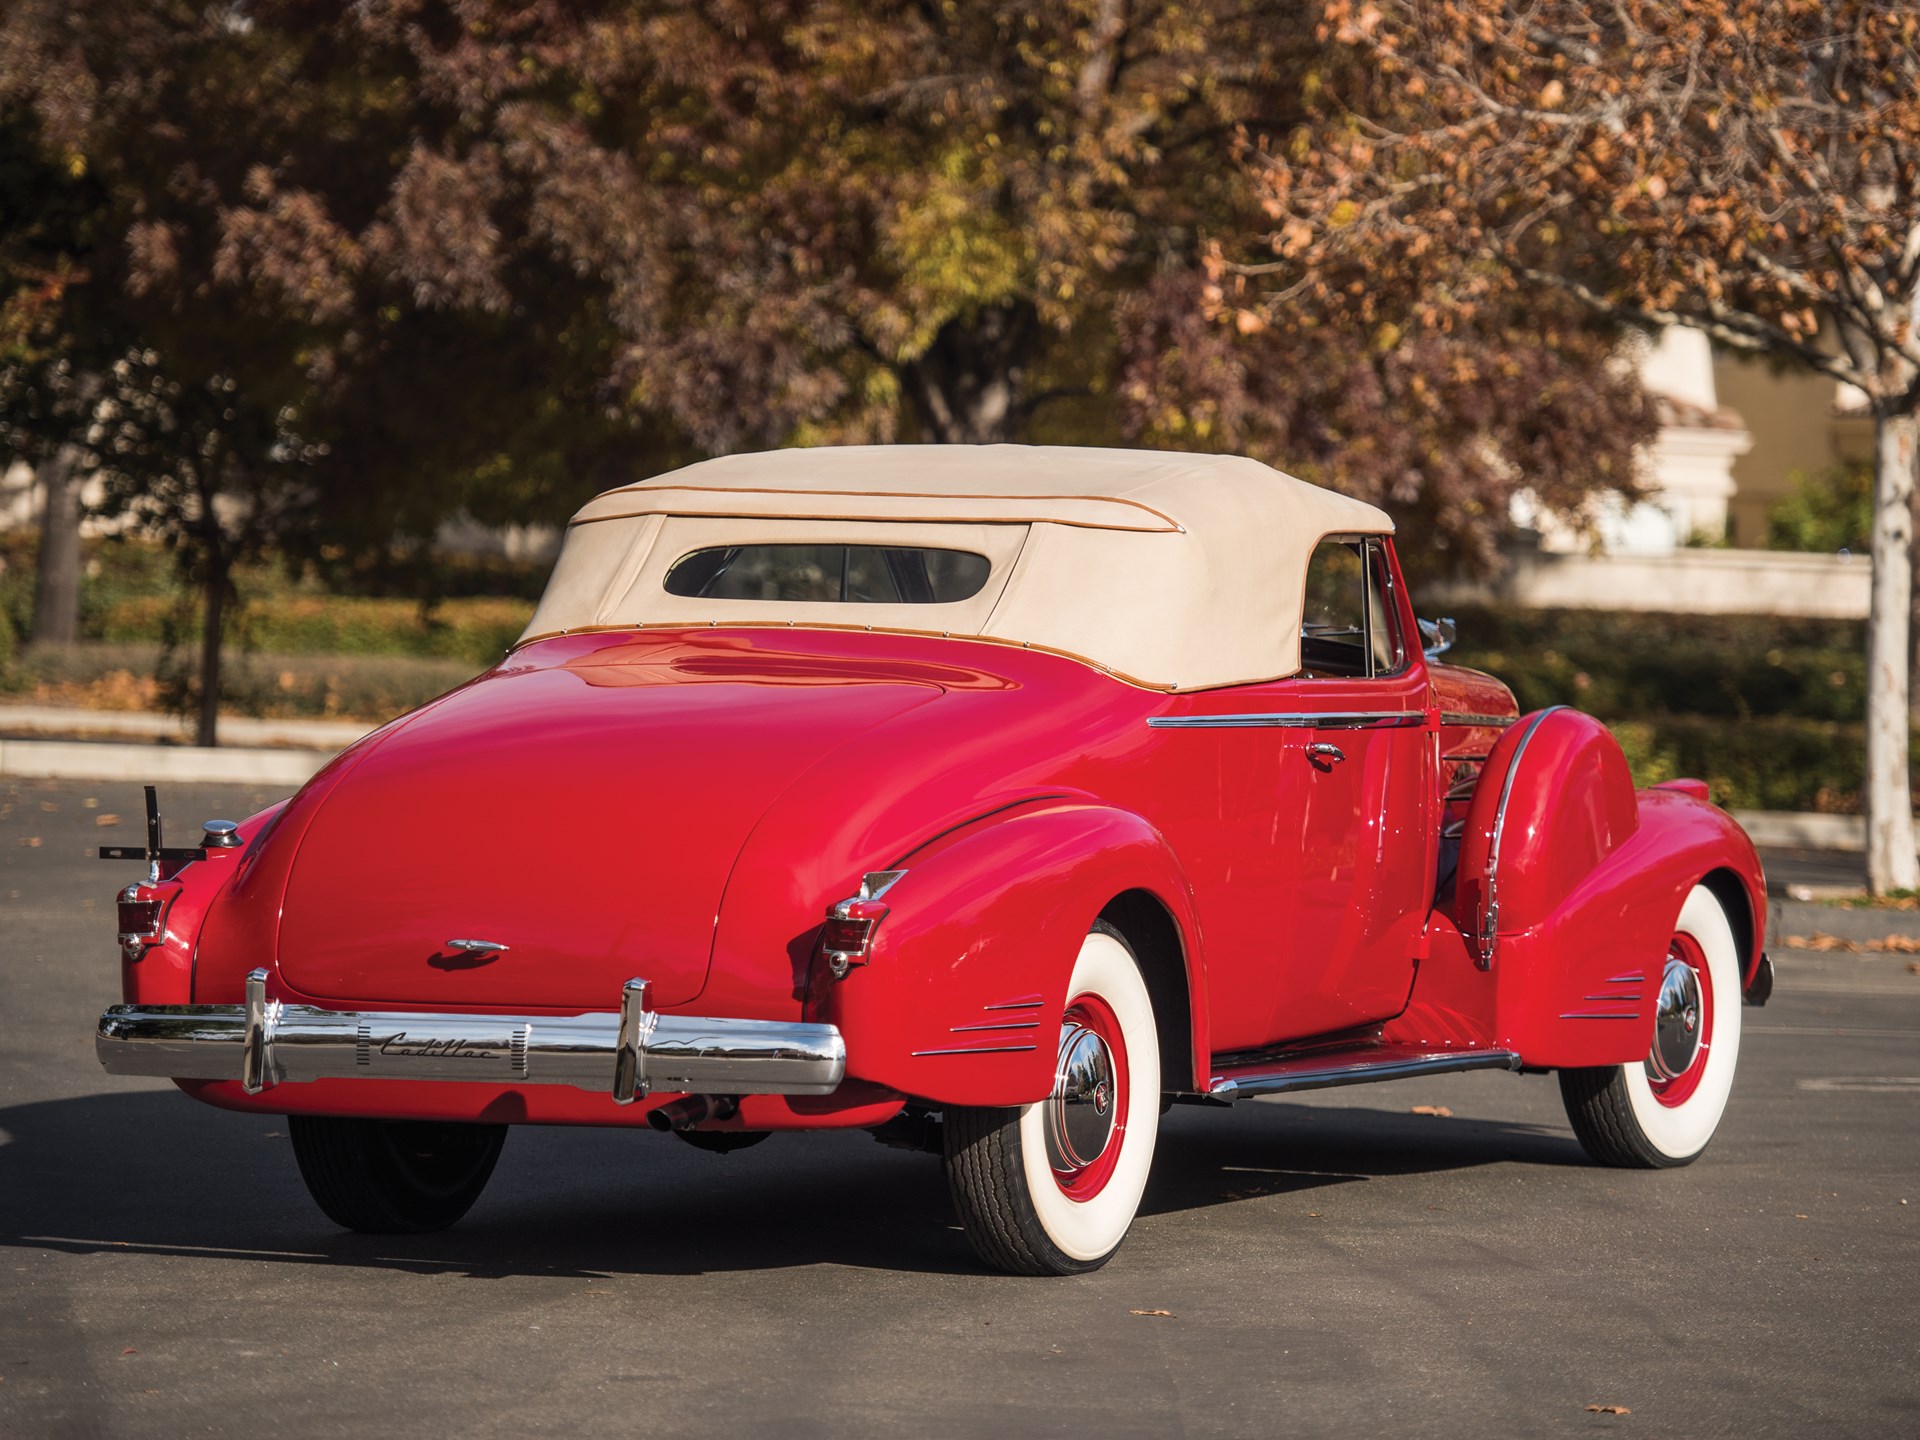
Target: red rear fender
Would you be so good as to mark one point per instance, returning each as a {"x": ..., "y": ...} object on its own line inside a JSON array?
[{"x": 961, "y": 999}]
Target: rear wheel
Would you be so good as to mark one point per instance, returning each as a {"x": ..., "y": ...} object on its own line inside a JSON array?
[
  {"x": 394, "y": 1177},
  {"x": 1051, "y": 1188},
  {"x": 1662, "y": 1111}
]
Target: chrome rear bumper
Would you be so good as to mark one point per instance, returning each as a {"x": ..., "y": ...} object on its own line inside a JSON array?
[{"x": 625, "y": 1053}]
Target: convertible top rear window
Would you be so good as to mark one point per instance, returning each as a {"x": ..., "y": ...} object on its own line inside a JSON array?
[{"x": 854, "y": 574}]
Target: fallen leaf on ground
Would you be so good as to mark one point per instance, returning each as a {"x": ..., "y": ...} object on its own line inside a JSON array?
[
  {"x": 1913, "y": 967},
  {"x": 32, "y": 842},
  {"x": 129, "y": 1351},
  {"x": 1799, "y": 1217},
  {"x": 1609, "y": 1410},
  {"x": 90, "y": 803},
  {"x": 106, "y": 819},
  {"x": 49, "y": 806},
  {"x": 1168, "y": 1313},
  {"x": 1432, "y": 1110},
  {"x": 1821, "y": 941},
  {"x": 1886, "y": 945},
  {"x": 1313, "y": 1214}
]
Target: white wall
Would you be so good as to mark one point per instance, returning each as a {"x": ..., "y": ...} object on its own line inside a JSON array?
[{"x": 1721, "y": 582}]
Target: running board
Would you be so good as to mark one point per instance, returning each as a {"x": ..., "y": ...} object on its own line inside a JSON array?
[{"x": 1359, "y": 1066}]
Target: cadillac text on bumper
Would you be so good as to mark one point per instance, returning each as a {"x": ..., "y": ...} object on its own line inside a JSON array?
[{"x": 626, "y": 1053}]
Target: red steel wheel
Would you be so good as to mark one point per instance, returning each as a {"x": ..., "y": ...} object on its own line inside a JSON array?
[
  {"x": 1085, "y": 1118},
  {"x": 1683, "y": 1024}
]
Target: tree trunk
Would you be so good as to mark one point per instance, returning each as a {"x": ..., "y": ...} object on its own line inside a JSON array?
[
  {"x": 1890, "y": 855},
  {"x": 56, "y": 589},
  {"x": 214, "y": 590},
  {"x": 968, "y": 386}
]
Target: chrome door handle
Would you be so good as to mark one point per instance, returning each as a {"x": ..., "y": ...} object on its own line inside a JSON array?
[{"x": 1323, "y": 756}]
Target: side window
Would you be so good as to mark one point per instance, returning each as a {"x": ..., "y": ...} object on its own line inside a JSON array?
[{"x": 1349, "y": 626}]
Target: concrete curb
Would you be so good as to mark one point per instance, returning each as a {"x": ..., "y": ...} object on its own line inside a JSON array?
[
  {"x": 1791, "y": 830},
  {"x": 65, "y": 722},
  {"x": 1800, "y": 917},
  {"x": 86, "y": 760}
]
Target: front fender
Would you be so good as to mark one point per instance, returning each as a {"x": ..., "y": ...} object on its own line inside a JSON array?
[
  {"x": 961, "y": 997},
  {"x": 1589, "y": 877}
]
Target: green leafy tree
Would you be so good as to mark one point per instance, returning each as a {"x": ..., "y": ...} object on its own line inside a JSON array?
[{"x": 1826, "y": 511}]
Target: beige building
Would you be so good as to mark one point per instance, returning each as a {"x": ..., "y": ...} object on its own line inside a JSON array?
[
  {"x": 1800, "y": 424},
  {"x": 1735, "y": 437}
]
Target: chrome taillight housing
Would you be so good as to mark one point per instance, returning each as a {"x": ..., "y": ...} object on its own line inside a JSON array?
[{"x": 847, "y": 936}]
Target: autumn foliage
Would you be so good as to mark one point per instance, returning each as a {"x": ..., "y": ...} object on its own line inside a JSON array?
[
  {"x": 1747, "y": 167},
  {"x": 375, "y": 265}
]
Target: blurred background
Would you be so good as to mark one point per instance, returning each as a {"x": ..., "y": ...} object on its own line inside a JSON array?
[{"x": 317, "y": 320}]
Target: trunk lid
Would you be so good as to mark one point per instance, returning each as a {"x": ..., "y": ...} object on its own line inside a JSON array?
[{"x": 582, "y": 811}]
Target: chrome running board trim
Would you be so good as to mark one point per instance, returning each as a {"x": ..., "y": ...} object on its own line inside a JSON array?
[
  {"x": 1324, "y": 1072},
  {"x": 267, "y": 1042}
]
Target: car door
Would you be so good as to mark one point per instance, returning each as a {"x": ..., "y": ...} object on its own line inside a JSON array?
[{"x": 1353, "y": 832}]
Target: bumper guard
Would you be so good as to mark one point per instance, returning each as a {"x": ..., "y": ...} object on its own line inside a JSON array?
[{"x": 627, "y": 1053}]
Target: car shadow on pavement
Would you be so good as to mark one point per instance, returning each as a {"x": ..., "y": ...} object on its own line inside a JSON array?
[
  {"x": 1209, "y": 1156},
  {"x": 146, "y": 1171}
]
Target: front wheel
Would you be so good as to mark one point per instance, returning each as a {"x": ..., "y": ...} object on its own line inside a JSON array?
[
  {"x": 1051, "y": 1188},
  {"x": 393, "y": 1177},
  {"x": 1662, "y": 1111}
]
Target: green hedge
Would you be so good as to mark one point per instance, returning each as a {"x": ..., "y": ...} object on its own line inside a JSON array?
[
  {"x": 131, "y": 595},
  {"x": 1766, "y": 709},
  {"x": 474, "y": 630},
  {"x": 1626, "y": 665},
  {"x": 1780, "y": 763},
  {"x": 136, "y": 676}
]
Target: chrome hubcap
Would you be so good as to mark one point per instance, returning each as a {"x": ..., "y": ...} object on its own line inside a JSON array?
[
  {"x": 1081, "y": 1110},
  {"x": 1676, "y": 1026}
]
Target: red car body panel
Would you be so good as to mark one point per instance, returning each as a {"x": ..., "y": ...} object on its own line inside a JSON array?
[{"x": 685, "y": 805}]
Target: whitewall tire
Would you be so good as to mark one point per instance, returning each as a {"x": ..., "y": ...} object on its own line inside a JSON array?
[
  {"x": 1662, "y": 1111},
  {"x": 1051, "y": 1188}
]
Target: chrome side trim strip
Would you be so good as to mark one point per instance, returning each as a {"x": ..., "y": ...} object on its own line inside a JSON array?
[
  {"x": 266, "y": 1042},
  {"x": 1489, "y": 935},
  {"x": 1358, "y": 1073},
  {"x": 978, "y": 1050},
  {"x": 1033, "y": 1003},
  {"x": 1450, "y": 717},
  {"x": 1294, "y": 720},
  {"x": 1636, "y": 978},
  {"x": 1001, "y": 1025},
  {"x": 1598, "y": 1015}
]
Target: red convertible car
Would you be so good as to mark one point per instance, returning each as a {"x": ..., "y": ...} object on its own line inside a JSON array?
[{"x": 1002, "y": 795}]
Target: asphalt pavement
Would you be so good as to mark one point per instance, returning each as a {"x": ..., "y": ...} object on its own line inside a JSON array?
[{"x": 1327, "y": 1266}]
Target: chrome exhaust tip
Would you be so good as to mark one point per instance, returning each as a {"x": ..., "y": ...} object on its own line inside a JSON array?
[{"x": 690, "y": 1112}]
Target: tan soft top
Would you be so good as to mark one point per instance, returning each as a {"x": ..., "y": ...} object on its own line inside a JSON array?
[{"x": 1170, "y": 570}]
